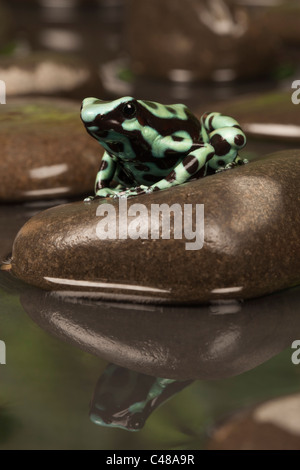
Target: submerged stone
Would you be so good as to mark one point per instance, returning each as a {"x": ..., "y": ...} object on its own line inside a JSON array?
[
  {"x": 251, "y": 240},
  {"x": 44, "y": 153}
]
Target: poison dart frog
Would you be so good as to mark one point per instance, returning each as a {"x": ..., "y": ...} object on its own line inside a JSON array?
[{"x": 150, "y": 146}]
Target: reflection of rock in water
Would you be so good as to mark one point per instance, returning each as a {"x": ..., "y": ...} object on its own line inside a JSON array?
[
  {"x": 205, "y": 342},
  {"x": 125, "y": 399}
]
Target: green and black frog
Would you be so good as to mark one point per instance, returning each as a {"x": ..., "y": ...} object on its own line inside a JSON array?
[{"x": 150, "y": 146}]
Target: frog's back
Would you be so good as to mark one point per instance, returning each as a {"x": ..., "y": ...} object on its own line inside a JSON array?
[{"x": 170, "y": 119}]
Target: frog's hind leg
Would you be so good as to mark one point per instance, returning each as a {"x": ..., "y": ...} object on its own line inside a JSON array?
[
  {"x": 192, "y": 166},
  {"x": 104, "y": 177},
  {"x": 226, "y": 136},
  {"x": 227, "y": 142}
]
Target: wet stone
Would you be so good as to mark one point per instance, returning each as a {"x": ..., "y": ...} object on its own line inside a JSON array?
[
  {"x": 44, "y": 152},
  {"x": 251, "y": 240},
  {"x": 269, "y": 116},
  {"x": 13, "y": 217}
]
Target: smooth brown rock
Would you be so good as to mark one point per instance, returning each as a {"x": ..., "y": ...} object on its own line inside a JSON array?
[
  {"x": 13, "y": 217},
  {"x": 251, "y": 245},
  {"x": 45, "y": 152},
  {"x": 272, "y": 425}
]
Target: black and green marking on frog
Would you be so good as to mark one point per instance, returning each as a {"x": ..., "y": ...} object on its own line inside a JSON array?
[{"x": 155, "y": 146}]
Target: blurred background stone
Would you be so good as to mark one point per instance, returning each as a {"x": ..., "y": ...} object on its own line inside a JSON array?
[
  {"x": 45, "y": 152},
  {"x": 7, "y": 29},
  {"x": 46, "y": 73},
  {"x": 70, "y": 34},
  {"x": 268, "y": 116},
  {"x": 198, "y": 40},
  {"x": 272, "y": 425},
  {"x": 283, "y": 20}
]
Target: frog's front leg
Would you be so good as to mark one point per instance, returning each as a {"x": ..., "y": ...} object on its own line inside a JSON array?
[
  {"x": 104, "y": 177},
  {"x": 192, "y": 166}
]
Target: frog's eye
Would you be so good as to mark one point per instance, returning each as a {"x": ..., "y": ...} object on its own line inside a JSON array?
[{"x": 129, "y": 110}]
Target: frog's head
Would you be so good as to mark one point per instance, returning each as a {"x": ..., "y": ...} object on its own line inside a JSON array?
[
  {"x": 134, "y": 129},
  {"x": 113, "y": 123}
]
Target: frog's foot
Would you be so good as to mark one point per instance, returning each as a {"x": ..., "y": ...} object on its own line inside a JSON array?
[
  {"x": 109, "y": 192},
  {"x": 137, "y": 191},
  {"x": 89, "y": 199},
  {"x": 102, "y": 193},
  {"x": 194, "y": 165},
  {"x": 227, "y": 143},
  {"x": 237, "y": 162}
]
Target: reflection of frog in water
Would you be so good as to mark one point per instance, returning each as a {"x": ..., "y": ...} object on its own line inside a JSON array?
[
  {"x": 125, "y": 399},
  {"x": 150, "y": 146}
]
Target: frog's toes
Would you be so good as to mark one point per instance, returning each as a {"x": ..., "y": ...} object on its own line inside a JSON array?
[
  {"x": 230, "y": 165},
  {"x": 138, "y": 190},
  {"x": 150, "y": 189},
  {"x": 142, "y": 189},
  {"x": 105, "y": 192},
  {"x": 121, "y": 194},
  {"x": 89, "y": 199}
]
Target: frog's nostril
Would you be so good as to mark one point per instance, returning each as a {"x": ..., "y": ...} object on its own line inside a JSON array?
[
  {"x": 88, "y": 101},
  {"x": 88, "y": 115}
]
